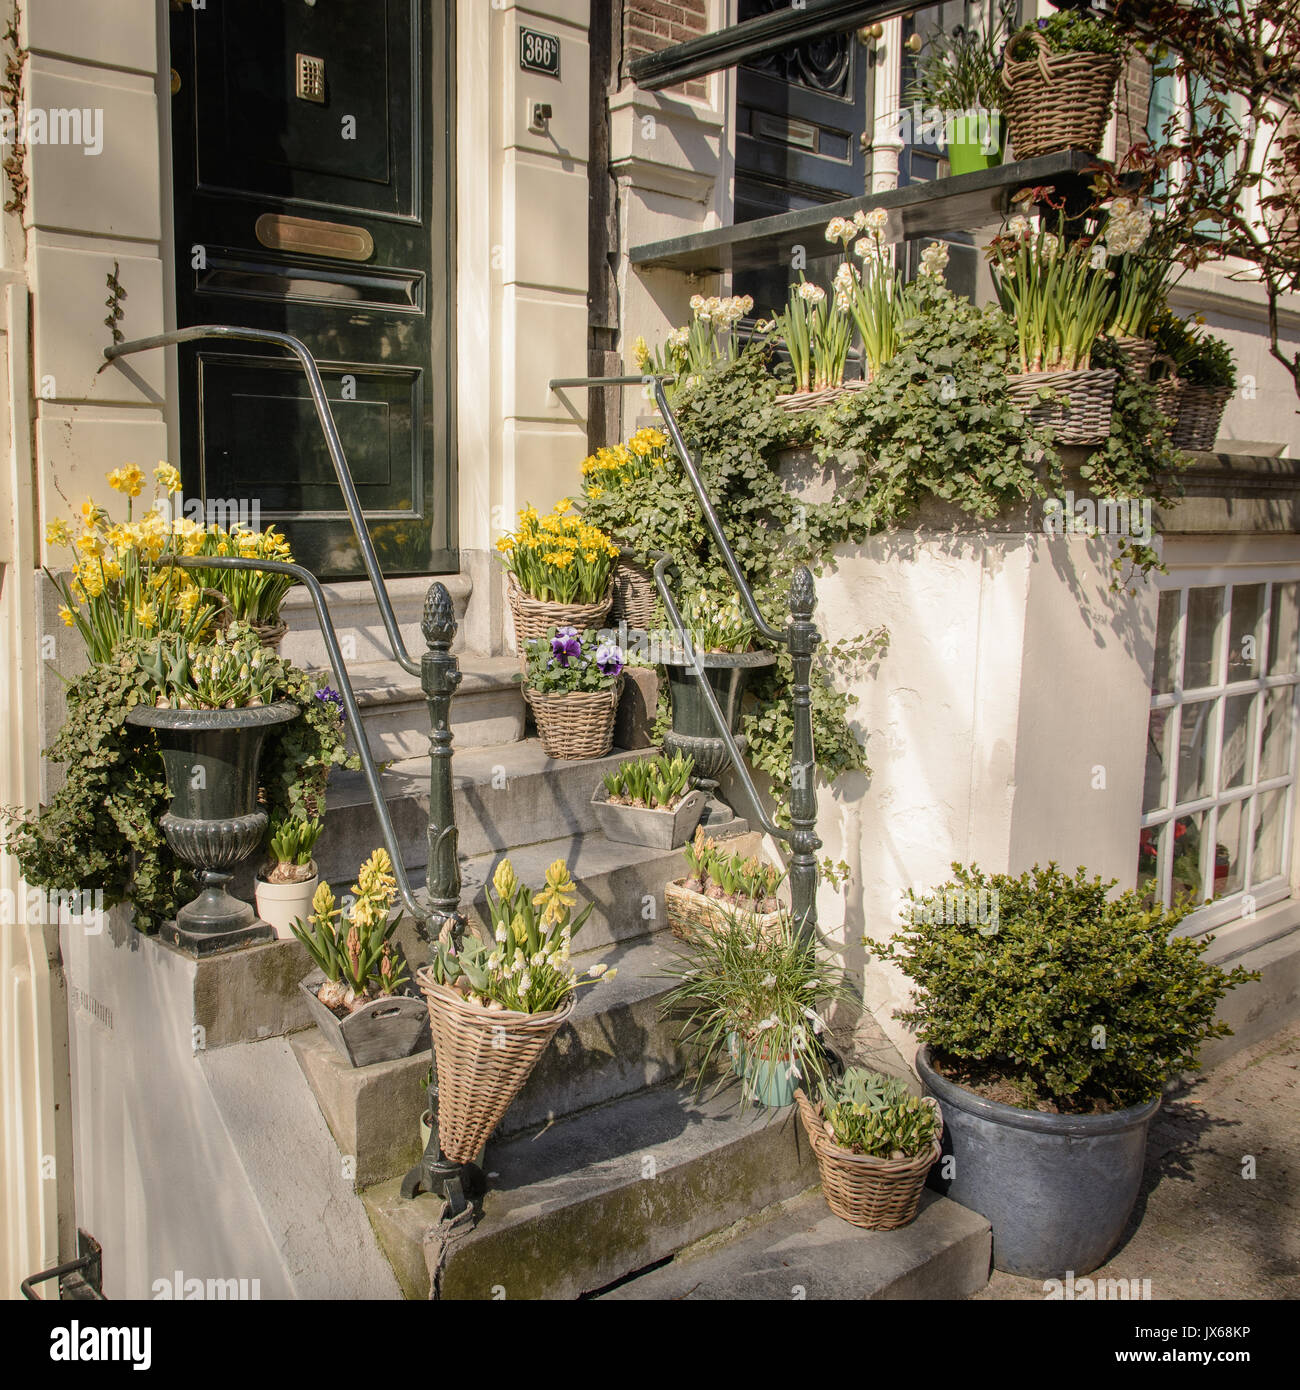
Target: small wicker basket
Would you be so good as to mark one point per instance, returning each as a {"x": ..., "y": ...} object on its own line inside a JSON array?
[
  {"x": 690, "y": 912},
  {"x": 1199, "y": 415},
  {"x": 1058, "y": 101},
  {"x": 634, "y": 595},
  {"x": 878, "y": 1194},
  {"x": 796, "y": 402},
  {"x": 483, "y": 1059},
  {"x": 1080, "y": 414},
  {"x": 535, "y": 617},
  {"x": 576, "y": 723}
]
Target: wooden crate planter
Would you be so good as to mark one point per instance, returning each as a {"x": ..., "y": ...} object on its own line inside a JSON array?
[
  {"x": 641, "y": 825},
  {"x": 383, "y": 1030},
  {"x": 690, "y": 912}
]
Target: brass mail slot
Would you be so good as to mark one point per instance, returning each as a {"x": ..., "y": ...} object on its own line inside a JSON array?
[
  {"x": 304, "y": 234},
  {"x": 789, "y": 132}
]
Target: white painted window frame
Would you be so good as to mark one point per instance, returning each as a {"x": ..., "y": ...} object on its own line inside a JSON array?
[{"x": 1233, "y": 906}]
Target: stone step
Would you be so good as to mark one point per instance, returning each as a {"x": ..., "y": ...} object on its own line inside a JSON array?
[
  {"x": 356, "y": 619},
  {"x": 625, "y": 882},
  {"x": 798, "y": 1249},
  {"x": 586, "y": 1201},
  {"x": 506, "y": 794},
  {"x": 488, "y": 707},
  {"x": 614, "y": 1044}
]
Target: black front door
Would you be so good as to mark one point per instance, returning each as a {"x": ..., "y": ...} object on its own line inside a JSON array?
[
  {"x": 312, "y": 159},
  {"x": 800, "y": 114}
]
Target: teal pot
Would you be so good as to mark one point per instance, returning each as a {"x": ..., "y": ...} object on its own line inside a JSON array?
[
  {"x": 693, "y": 731},
  {"x": 211, "y": 759},
  {"x": 968, "y": 152},
  {"x": 1058, "y": 1190},
  {"x": 769, "y": 1081}
]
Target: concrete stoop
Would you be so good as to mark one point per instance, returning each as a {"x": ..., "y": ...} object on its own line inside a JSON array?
[
  {"x": 579, "y": 1204},
  {"x": 799, "y": 1249}
]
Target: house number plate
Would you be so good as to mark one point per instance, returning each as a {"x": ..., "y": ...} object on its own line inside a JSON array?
[{"x": 539, "y": 52}]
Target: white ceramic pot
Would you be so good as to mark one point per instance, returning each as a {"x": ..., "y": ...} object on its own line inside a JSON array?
[{"x": 279, "y": 903}]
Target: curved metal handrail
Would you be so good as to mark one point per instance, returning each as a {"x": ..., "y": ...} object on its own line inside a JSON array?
[{"x": 332, "y": 442}]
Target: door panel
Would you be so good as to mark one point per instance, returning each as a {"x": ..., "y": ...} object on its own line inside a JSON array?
[{"x": 318, "y": 204}]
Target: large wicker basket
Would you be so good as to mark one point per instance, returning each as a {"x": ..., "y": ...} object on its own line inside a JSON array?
[
  {"x": 576, "y": 723},
  {"x": 1138, "y": 354},
  {"x": 690, "y": 912},
  {"x": 878, "y": 1194},
  {"x": 634, "y": 595},
  {"x": 1080, "y": 414},
  {"x": 535, "y": 617},
  {"x": 483, "y": 1059},
  {"x": 796, "y": 402},
  {"x": 1058, "y": 101},
  {"x": 1199, "y": 415}
]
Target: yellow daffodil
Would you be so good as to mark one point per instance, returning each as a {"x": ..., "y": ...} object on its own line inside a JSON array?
[
  {"x": 168, "y": 477},
  {"x": 58, "y": 533},
  {"x": 128, "y": 480},
  {"x": 69, "y": 618}
]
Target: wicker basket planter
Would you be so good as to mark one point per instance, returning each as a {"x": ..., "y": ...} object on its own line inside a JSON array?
[
  {"x": 1138, "y": 354},
  {"x": 644, "y": 825},
  {"x": 483, "y": 1057},
  {"x": 796, "y": 402},
  {"x": 1080, "y": 414},
  {"x": 878, "y": 1194},
  {"x": 690, "y": 912},
  {"x": 535, "y": 617},
  {"x": 634, "y": 595},
  {"x": 576, "y": 723},
  {"x": 1058, "y": 101},
  {"x": 1199, "y": 415},
  {"x": 383, "y": 1030}
]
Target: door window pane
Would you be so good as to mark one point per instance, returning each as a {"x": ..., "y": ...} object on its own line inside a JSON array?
[
  {"x": 1230, "y": 850},
  {"x": 1165, "y": 668},
  {"x": 1196, "y": 752},
  {"x": 1204, "y": 609},
  {"x": 1284, "y": 629},
  {"x": 1245, "y": 626}
]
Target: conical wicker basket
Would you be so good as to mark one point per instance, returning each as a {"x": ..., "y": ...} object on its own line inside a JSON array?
[
  {"x": 576, "y": 723},
  {"x": 878, "y": 1194},
  {"x": 634, "y": 595},
  {"x": 534, "y": 617},
  {"x": 1081, "y": 414},
  {"x": 1058, "y": 101},
  {"x": 1199, "y": 415},
  {"x": 483, "y": 1059}
]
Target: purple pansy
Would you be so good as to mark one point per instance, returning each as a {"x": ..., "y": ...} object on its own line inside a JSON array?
[
  {"x": 566, "y": 645},
  {"x": 609, "y": 659},
  {"x": 329, "y": 696}
]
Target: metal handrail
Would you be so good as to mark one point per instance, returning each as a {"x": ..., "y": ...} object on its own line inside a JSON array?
[
  {"x": 800, "y": 637},
  {"x": 332, "y": 442},
  {"x": 412, "y": 904}
]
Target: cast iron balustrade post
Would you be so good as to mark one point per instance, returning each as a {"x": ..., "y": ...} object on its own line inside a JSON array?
[
  {"x": 804, "y": 843},
  {"x": 439, "y": 676}
]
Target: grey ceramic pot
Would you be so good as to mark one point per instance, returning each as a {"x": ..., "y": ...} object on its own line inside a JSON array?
[{"x": 1058, "y": 1190}]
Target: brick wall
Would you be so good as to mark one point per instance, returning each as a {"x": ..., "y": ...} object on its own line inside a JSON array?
[
  {"x": 1131, "y": 100},
  {"x": 649, "y": 25}
]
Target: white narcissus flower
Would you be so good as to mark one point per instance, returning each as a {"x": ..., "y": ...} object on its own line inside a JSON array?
[
  {"x": 697, "y": 303},
  {"x": 1051, "y": 246},
  {"x": 813, "y": 294},
  {"x": 860, "y": 218},
  {"x": 877, "y": 219},
  {"x": 867, "y": 248},
  {"x": 1019, "y": 226},
  {"x": 839, "y": 229}
]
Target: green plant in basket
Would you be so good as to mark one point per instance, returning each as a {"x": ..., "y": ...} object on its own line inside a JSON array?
[
  {"x": 559, "y": 557},
  {"x": 817, "y": 330},
  {"x": 656, "y": 783},
  {"x": 736, "y": 880},
  {"x": 1058, "y": 294},
  {"x": 526, "y": 968},
  {"x": 291, "y": 843},
  {"x": 1066, "y": 31},
  {"x": 355, "y": 950},
  {"x": 867, "y": 1112},
  {"x": 763, "y": 993},
  {"x": 568, "y": 660},
  {"x": 1200, "y": 358}
]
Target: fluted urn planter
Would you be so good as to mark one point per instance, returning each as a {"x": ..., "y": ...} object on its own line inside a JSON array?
[
  {"x": 211, "y": 759},
  {"x": 693, "y": 731}
]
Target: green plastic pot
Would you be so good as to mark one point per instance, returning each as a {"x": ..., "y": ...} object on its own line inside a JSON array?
[{"x": 966, "y": 151}]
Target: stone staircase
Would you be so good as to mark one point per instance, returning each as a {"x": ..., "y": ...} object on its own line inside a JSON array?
[{"x": 605, "y": 1167}]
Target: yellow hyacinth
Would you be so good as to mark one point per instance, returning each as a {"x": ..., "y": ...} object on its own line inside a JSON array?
[{"x": 504, "y": 880}]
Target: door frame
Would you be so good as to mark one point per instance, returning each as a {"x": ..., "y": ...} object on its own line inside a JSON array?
[{"x": 439, "y": 87}]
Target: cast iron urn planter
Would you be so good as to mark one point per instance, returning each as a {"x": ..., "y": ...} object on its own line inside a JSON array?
[
  {"x": 211, "y": 758},
  {"x": 693, "y": 731}
]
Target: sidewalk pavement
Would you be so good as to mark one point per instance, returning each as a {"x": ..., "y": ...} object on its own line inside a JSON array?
[{"x": 1202, "y": 1228}]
